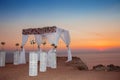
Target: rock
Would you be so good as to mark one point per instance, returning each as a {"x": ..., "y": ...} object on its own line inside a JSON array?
[
  {"x": 99, "y": 67},
  {"x": 77, "y": 63},
  {"x": 112, "y": 67}
]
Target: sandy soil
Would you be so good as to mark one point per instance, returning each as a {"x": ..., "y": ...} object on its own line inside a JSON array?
[{"x": 63, "y": 72}]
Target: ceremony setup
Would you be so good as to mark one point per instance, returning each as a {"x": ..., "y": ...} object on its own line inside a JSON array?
[
  {"x": 59, "y": 40},
  {"x": 47, "y": 59}
]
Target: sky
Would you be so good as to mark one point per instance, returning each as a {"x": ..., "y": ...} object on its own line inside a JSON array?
[{"x": 93, "y": 24}]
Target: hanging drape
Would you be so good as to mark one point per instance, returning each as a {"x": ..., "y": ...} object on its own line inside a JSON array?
[
  {"x": 38, "y": 40},
  {"x": 64, "y": 34},
  {"x": 49, "y": 58},
  {"x": 52, "y": 35},
  {"x": 22, "y": 53},
  {"x": 57, "y": 35},
  {"x": 66, "y": 38},
  {"x": 54, "y": 59},
  {"x": 69, "y": 54},
  {"x": 33, "y": 64},
  {"x": 43, "y": 62},
  {"x": 22, "y": 57},
  {"x": 24, "y": 39},
  {"x": 51, "y": 38},
  {"x": 16, "y": 58},
  {"x": 2, "y": 58}
]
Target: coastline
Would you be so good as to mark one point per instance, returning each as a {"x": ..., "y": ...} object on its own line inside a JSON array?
[{"x": 63, "y": 72}]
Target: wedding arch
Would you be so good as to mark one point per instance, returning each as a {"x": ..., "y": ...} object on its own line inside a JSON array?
[{"x": 52, "y": 34}]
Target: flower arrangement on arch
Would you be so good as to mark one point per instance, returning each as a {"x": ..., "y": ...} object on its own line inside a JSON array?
[{"x": 32, "y": 42}]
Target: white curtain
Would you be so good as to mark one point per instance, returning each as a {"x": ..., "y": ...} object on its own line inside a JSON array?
[
  {"x": 54, "y": 59},
  {"x": 2, "y": 58},
  {"x": 33, "y": 64},
  {"x": 22, "y": 57},
  {"x": 38, "y": 52},
  {"x": 51, "y": 58},
  {"x": 38, "y": 40},
  {"x": 24, "y": 39},
  {"x": 22, "y": 53},
  {"x": 69, "y": 54},
  {"x": 43, "y": 62},
  {"x": 66, "y": 38},
  {"x": 57, "y": 35},
  {"x": 51, "y": 37},
  {"x": 64, "y": 34},
  {"x": 16, "y": 58}
]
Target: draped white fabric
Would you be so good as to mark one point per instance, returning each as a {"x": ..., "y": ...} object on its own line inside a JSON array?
[
  {"x": 33, "y": 64},
  {"x": 22, "y": 57},
  {"x": 51, "y": 58},
  {"x": 16, "y": 58},
  {"x": 38, "y": 39},
  {"x": 2, "y": 58},
  {"x": 38, "y": 52},
  {"x": 66, "y": 38},
  {"x": 51, "y": 38},
  {"x": 64, "y": 34},
  {"x": 24, "y": 39},
  {"x": 22, "y": 53},
  {"x": 69, "y": 54},
  {"x": 57, "y": 35},
  {"x": 43, "y": 61}
]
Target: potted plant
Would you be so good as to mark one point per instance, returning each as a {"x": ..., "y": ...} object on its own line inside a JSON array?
[
  {"x": 3, "y": 43},
  {"x": 17, "y": 44},
  {"x": 44, "y": 43},
  {"x": 3, "y": 55}
]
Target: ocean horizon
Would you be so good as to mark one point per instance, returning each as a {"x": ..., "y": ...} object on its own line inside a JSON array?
[{"x": 90, "y": 59}]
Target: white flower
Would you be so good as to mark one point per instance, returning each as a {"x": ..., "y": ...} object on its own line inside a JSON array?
[{"x": 32, "y": 42}]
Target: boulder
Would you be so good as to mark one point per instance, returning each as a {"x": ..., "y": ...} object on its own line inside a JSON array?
[
  {"x": 112, "y": 67},
  {"x": 99, "y": 67},
  {"x": 77, "y": 63}
]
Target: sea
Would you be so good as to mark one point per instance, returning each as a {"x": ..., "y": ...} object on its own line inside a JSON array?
[{"x": 90, "y": 59}]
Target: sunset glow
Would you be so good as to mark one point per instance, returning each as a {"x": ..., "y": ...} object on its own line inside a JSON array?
[{"x": 92, "y": 24}]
